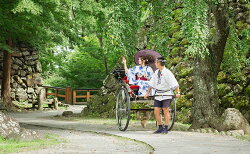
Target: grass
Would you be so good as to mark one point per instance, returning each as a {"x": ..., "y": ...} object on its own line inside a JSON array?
[
  {"x": 22, "y": 106},
  {"x": 11, "y": 145},
  {"x": 245, "y": 137}
]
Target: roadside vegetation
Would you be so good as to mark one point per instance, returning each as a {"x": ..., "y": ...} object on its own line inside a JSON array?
[{"x": 12, "y": 145}]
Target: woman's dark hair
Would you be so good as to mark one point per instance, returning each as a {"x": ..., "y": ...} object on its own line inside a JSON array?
[
  {"x": 148, "y": 59},
  {"x": 162, "y": 61}
]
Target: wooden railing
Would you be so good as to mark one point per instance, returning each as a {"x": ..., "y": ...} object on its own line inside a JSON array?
[
  {"x": 70, "y": 95},
  {"x": 87, "y": 96}
]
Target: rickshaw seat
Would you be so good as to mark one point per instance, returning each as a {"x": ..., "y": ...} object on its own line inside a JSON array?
[
  {"x": 125, "y": 79},
  {"x": 134, "y": 88}
]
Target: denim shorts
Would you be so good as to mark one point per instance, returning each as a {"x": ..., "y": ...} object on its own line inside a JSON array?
[{"x": 163, "y": 103}]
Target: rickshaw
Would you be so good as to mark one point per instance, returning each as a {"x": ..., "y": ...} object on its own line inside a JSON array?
[{"x": 127, "y": 95}]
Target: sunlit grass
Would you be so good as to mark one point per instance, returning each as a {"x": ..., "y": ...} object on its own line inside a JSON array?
[
  {"x": 245, "y": 137},
  {"x": 11, "y": 145},
  {"x": 22, "y": 106}
]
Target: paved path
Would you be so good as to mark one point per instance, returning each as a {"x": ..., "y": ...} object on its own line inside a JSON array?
[
  {"x": 174, "y": 142},
  {"x": 87, "y": 143}
]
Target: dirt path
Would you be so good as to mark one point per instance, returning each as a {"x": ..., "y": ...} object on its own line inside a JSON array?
[
  {"x": 82, "y": 142},
  {"x": 174, "y": 142}
]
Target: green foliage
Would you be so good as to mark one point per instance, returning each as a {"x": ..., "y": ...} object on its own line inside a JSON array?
[
  {"x": 162, "y": 25},
  {"x": 27, "y": 6},
  {"x": 145, "y": 105},
  {"x": 107, "y": 30},
  {"x": 195, "y": 27},
  {"x": 184, "y": 116},
  {"x": 78, "y": 38},
  {"x": 101, "y": 106},
  {"x": 183, "y": 102},
  {"x": 245, "y": 137},
  {"x": 40, "y": 23},
  {"x": 236, "y": 49},
  {"x": 57, "y": 81},
  {"x": 122, "y": 26},
  {"x": 234, "y": 101},
  {"x": 83, "y": 70}
]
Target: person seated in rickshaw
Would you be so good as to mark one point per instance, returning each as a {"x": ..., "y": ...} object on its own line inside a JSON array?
[{"x": 140, "y": 74}]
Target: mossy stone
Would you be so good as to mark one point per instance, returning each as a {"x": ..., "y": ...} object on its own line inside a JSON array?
[
  {"x": 247, "y": 90},
  {"x": 177, "y": 12},
  {"x": 173, "y": 40},
  {"x": 184, "y": 42},
  {"x": 177, "y": 35},
  {"x": 223, "y": 89},
  {"x": 216, "y": 132},
  {"x": 185, "y": 72},
  {"x": 223, "y": 133},
  {"x": 203, "y": 131}
]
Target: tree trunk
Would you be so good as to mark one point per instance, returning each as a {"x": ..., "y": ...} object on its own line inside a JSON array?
[
  {"x": 205, "y": 109},
  {"x": 7, "y": 102},
  {"x": 104, "y": 56},
  {"x": 105, "y": 64}
]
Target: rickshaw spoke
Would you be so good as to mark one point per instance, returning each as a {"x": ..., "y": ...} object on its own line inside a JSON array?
[{"x": 122, "y": 109}]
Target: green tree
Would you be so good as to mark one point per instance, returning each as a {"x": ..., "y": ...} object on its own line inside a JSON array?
[
  {"x": 108, "y": 33},
  {"x": 42, "y": 24},
  {"x": 210, "y": 38},
  {"x": 207, "y": 26}
]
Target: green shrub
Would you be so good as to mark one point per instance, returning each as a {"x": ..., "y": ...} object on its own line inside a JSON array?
[
  {"x": 183, "y": 102},
  {"x": 101, "y": 106},
  {"x": 183, "y": 115},
  {"x": 56, "y": 81}
]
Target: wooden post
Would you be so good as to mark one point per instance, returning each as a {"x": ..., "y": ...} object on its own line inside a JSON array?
[
  {"x": 56, "y": 93},
  {"x": 42, "y": 97},
  {"x": 46, "y": 92},
  {"x": 55, "y": 103},
  {"x": 88, "y": 96},
  {"x": 74, "y": 97},
  {"x": 68, "y": 93},
  {"x": 7, "y": 62}
]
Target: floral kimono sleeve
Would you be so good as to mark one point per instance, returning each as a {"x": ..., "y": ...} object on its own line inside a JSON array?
[
  {"x": 131, "y": 74},
  {"x": 150, "y": 73}
]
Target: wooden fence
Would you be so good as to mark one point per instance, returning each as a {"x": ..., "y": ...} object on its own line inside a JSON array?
[{"x": 70, "y": 95}]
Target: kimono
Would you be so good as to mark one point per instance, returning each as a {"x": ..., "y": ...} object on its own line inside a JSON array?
[
  {"x": 140, "y": 76},
  {"x": 164, "y": 83}
]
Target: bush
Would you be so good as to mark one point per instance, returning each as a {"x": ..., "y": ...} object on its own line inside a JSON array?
[
  {"x": 101, "y": 106},
  {"x": 183, "y": 102},
  {"x": 184, "y": 116},
  {"x": 56, "y": 81}
]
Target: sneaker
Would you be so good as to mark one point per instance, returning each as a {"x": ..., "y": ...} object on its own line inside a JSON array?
[
  {"x": 164, "y": 130},
  {"x": 159, "y": 130}
]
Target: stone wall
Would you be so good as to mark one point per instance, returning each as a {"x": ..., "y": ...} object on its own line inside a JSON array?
[{"x": 25, "y": 74}]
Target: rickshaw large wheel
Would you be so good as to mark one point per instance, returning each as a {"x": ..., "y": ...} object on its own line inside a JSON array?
[
  {"x": 123, "y": 109},
  {"x": 172, "y": 113}
]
